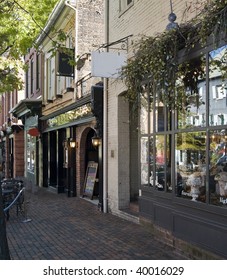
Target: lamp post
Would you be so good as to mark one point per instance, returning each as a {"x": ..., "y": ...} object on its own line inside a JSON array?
[
  {"x": 97, "y": 143},
  {"x": 71, "y": 145}
]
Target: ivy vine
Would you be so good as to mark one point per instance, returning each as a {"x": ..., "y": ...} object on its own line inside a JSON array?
[{"x": 156, "y": 57}]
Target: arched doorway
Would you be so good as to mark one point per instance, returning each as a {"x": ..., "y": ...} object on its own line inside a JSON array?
[
  {"x": 88, "y": 153},
  {"x": 92, "y": 154}
]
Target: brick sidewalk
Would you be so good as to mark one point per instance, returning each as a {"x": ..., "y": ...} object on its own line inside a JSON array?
[{"x": 63, "y": 228}]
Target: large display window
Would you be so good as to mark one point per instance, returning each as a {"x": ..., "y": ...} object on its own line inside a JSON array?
[
  {"x": 218, "y": 167},
  {"x": 190, "y": 158},
  {"x": 191, "y": 94},
  {"x": 184, "y": 147},
  {"x": 31, "y": 141}
]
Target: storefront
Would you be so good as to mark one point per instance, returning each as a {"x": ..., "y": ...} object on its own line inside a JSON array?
[
  {"x": 183, "y": 152},
  {"x": 67, "y": 148},
  {"x": 28, "y": 148}
]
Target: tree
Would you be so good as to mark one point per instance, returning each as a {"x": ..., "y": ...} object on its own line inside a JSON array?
[{"x": 20, "y": 23}]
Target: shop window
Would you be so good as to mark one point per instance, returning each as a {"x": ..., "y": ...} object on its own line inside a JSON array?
[
  {"x": 186, "y": 152},
  {"x": 31, "y": 153},
  {"x": 144, "y": 103},
  {"x": 218, "y": 86},
  {"x": 144, "y": 161},
  {"x": 155, "y": 160},
  {"x": 162, "y": 114},
  {"x": 162, "y": 169},
  {"x": 218, "y": 167},
  {"x": 160, "y": 117},
  {"x": 191, "y": 94},
  {"x": 190, "y": 158}
]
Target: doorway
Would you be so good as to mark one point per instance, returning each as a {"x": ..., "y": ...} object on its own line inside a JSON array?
[{"x": 92, "y": 155}]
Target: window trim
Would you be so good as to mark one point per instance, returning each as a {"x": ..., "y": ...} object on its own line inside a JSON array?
[{"x": 124, "y": 6}]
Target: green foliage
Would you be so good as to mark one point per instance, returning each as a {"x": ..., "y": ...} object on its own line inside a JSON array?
[
  {"x": 20, "y": 23},
  {"x": 156, "y": 58}
]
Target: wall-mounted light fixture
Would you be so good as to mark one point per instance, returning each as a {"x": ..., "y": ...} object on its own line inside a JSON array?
[
  {"x": 72, "y": 143},
  {"x": 96, "y": 141}
]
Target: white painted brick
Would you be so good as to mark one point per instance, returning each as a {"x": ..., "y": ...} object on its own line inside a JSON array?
[{"x": 145, "y": 17}]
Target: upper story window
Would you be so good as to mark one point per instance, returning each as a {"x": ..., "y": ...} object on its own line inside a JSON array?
[
  {"x": 124, "y": 5},
  {"x": 32, "y": 74},
  {"x": 50, "y": 78},
  {"x": 58, "y": 67},
  {"x": 51, "y": 75}
]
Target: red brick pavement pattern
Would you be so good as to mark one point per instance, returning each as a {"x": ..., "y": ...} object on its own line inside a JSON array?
[{"x": 63, "y": 228}]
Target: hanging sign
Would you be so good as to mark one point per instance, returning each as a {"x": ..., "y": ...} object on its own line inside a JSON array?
[{"x": 33, "y": 131}]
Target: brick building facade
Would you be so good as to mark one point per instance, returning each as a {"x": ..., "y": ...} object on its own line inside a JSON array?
[{"x": 57, "y": 107}]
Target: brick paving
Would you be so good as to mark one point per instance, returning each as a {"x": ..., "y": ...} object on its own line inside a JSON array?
[{"x": 63, "y": 228}]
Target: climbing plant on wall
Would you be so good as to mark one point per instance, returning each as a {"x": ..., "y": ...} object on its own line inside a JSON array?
[{"x": 156, "y": 57}]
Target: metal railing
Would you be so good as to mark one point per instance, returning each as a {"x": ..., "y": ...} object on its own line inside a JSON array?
[
  {"x": 13, "y": 194},
  {"x": 16, "y": 200}
]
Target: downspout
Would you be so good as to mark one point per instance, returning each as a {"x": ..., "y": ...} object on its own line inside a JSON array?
[
  {"x": 73, "y": 5},
  {"x": 105, "y": 117}
]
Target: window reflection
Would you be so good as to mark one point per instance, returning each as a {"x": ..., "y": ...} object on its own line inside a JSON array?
[
  {"x": 191, "y": 165},
  {"x": 162, "y": 113},
  {"x": 200, "y": 132},
  {"x": 159, "y": 176},
  {"x": 144, "y": 110},
  {"x": 191, "y": 95},
  {"x": 160, "y": 172},
  {"x": 218, "y": 167},
  {"x": 144, "y": 161},
  {"x": 30, "y": 153},
  {"x": 218, "y": 86},
  {"x": 168, "y": 164},
  {"x": 159, "y": 113}
]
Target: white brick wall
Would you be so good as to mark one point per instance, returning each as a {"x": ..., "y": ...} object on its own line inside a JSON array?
[
  {"x": 90, "y": 19},
  {"x": 145, "y": 17}
]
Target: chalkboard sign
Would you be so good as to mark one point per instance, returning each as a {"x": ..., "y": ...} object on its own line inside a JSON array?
[{"x": 90, "y": 178}]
